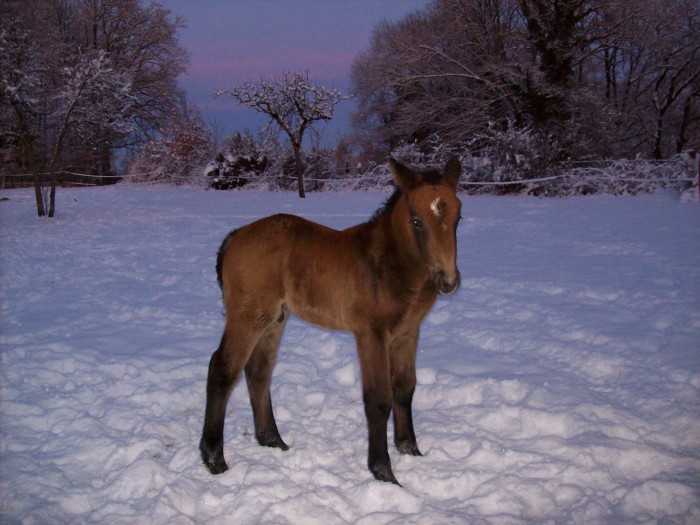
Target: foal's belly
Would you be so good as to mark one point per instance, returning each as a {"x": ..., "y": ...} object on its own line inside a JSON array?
[{"x": 319, "y": 307}]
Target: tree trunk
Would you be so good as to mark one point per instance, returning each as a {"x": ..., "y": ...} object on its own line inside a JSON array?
[
  {"x": 52, "y": 195},
  {"x": 299, "y": 167},
  {"x": 682, "y": 139},
  {"x": 656, "y": 152},
  {"x": 40, "y": 210},
  {"x": 37, "y": 194}
]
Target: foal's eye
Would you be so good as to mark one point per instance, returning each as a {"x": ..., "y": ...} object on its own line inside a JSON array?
[{"x": 417, "y": 223}]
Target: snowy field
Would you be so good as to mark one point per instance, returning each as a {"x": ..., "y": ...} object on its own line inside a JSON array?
[{"x": 561, "y": 384}]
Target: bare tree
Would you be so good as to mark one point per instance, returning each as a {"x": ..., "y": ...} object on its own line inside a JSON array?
[
  {"x": 602, "y": 77},
  {"x": 85, "y": 94},
  {"x": 91, "y": 94},
  {"x": 67, "y": 66},
  {"x": 652, "y": 76},
  {"x": 453, "y": 70},
  {"x": 671, "y": 77},
  {"x": 293, "y": 103},
  {"x": 141, "y": 40},
  {"x": 21, "y": 70}
]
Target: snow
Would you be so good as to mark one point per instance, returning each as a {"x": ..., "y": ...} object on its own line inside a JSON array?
[{"x": 559, "y": 385}]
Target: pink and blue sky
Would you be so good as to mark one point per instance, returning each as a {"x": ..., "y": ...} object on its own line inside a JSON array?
[{"x": 232, "y": 41}]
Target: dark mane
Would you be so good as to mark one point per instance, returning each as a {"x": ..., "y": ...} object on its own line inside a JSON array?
[{"x": 388, "y": 205}]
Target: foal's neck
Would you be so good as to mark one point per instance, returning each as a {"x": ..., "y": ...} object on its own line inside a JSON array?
[{"x": 393, "y": 248}]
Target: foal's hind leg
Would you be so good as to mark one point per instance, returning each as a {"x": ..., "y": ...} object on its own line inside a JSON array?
[
  {"x": 403, "y": 382},
  {"x": 225, "y": 369},
  {"x": 258, "y": 374}
]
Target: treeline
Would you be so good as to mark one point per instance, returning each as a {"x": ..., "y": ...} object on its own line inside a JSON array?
[
  {"x": 82, "y": 78},
  {"x": 511, "y": 165},
  {"x": 519, "y": 89},
  {"x": 588, "y": 78}
]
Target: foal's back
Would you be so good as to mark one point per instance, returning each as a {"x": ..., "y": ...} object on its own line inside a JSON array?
[{"x": 287, "y": 262}]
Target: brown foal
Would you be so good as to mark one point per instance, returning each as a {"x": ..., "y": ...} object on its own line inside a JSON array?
[{"x": 377, "y": 280}]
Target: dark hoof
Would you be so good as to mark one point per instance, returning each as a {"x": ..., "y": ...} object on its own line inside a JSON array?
[
  {"x": 213, "y": 460},
  {"x": 384, "y": 473},
  {"x": 271, "y": 439},
  {"x": 408, "y": 448}
]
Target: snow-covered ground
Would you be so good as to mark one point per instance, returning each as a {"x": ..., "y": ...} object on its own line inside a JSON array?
[{"x": 561, "y": 384}]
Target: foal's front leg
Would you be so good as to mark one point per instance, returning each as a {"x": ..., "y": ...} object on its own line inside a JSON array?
[
  {"x": 376, "y": 390},
  {"x": 403, "y": 383}
]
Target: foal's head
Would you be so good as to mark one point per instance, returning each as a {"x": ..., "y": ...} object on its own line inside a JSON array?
[{"x": 431, "y": 214}]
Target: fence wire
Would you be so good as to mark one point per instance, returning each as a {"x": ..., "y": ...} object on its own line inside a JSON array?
[{"x": 578, "y": 175}]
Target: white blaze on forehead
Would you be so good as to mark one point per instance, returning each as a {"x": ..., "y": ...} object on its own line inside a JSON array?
[{"x": 435, "y": 207}]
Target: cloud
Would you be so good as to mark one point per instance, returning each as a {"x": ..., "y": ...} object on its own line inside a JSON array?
[{"x": 322, "y": 65}]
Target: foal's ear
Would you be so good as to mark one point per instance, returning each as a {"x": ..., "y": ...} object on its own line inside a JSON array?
[
  {"x": 452, "y": 172},
  {"x": 405, "y": 178}
]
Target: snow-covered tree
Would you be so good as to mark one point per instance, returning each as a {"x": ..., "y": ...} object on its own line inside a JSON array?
[
  {"x": 81, "y": 78},
  {"x": 656, "y": 75},
  {"x": 293, "y": 103},
  {"x": 39, "y": 101},
  {"x": 21, "y": 70},
  {"x": 140, "y": 37},
  {"x": 91, "y": 95},
  {"x": 180, "y": 152},
  {"x": 603, "y": 78},
  {"x": 448, "y": 69}
]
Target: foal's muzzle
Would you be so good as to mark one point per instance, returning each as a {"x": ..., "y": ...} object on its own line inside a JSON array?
[{"x": 445, "y": 285}]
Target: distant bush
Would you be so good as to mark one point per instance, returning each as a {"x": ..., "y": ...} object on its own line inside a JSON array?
[
  {"x": 241, "y": 160},
  {"x": 498, "y": 162},
  {"x": 514, "y": 161},
  {"x": 267, "y": 165},
  {"x": 620, "y": 177}
]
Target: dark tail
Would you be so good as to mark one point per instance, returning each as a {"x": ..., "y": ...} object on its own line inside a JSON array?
[{"x": 220, "y": 257}]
